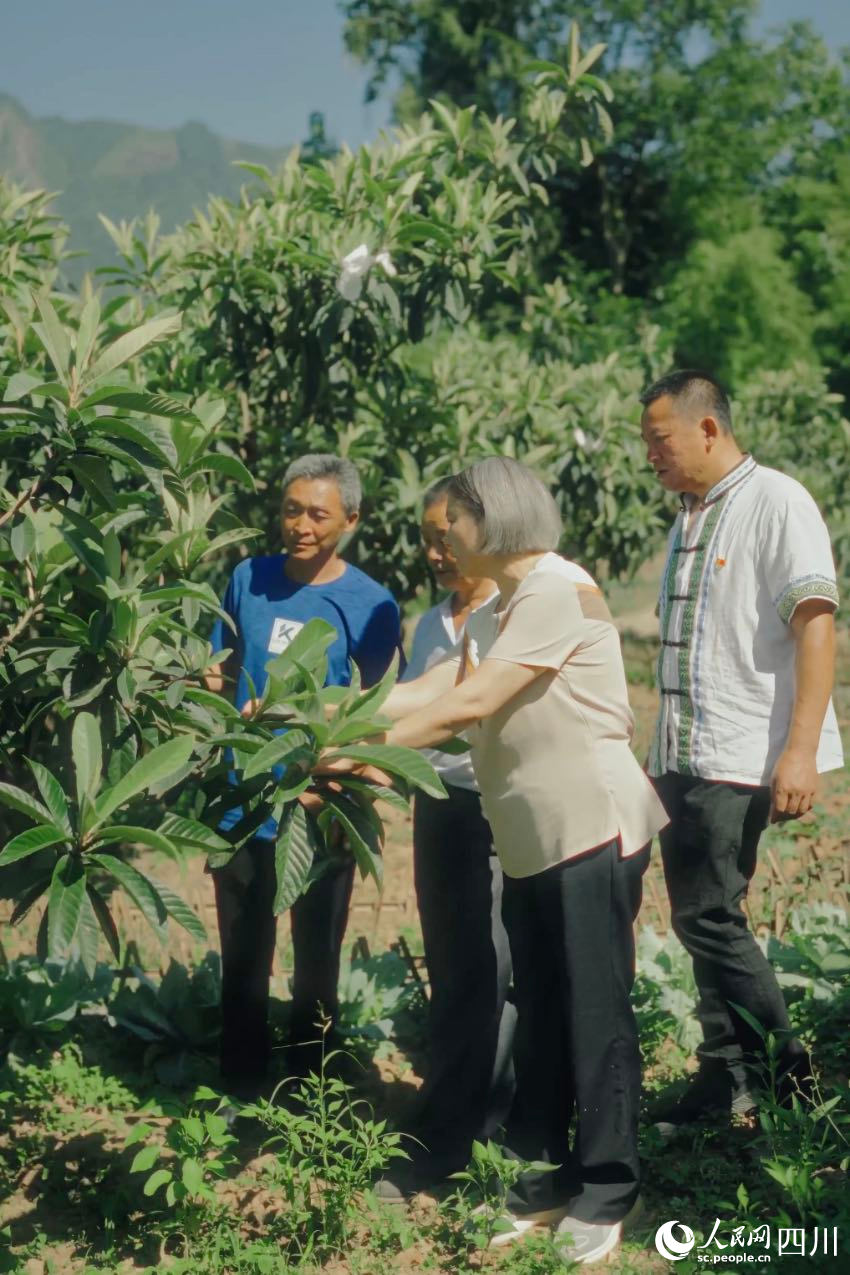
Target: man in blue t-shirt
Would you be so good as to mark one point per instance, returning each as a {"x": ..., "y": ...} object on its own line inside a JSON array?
[{"x": 269, "y": 599}]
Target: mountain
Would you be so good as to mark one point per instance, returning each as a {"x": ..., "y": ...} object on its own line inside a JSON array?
[{"x": 120, "y": 170}]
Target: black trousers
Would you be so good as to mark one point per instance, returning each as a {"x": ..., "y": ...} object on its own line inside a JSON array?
[
  {"x": 572, "y": 942},
  {"x": 244, "y": 896},
  {"x": 709, "y": 853},
  {"x": 469, "y": 1081}
]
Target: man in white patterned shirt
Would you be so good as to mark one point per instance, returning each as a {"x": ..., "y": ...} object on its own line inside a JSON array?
[{"x": 745, "y": 721}]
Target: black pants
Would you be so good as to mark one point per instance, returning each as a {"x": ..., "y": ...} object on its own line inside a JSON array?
[
  {"x": 572, "y": 942},
  {"x": 469, "y": 1082},
  {"x": 709, "y": 852},
  {"x": 244, "y": 897}
]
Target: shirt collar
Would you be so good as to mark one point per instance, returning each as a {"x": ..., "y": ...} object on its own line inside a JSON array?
[{"x": 744, "y": 469}]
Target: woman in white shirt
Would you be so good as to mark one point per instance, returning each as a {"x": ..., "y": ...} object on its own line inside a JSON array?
[{"x": 469, "y": 1082}]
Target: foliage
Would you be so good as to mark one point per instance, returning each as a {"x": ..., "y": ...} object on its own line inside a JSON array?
[
  {"x": 38, "y": 1000},
  {"x": 478, "y": 1208},
  {"x": 736, "y": 307},
  {"x": 379, "y": 1002},
  {"x": 792, "y": 422},
  {"x": 200, "y": 1147},
  {"x": 665, "y": 993},
  {"x": 176, "y": 1018},
  {"x": 305, "y": 1200},
  {"x": 717, "y": 204},
  {"x": 328, "y": 1148},
  {"x": 105, "y": 516}
]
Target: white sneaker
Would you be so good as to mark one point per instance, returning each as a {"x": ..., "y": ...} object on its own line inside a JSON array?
[
  {"x": 590, "y": 1241},
  {"x": 512, "y": 1226}
]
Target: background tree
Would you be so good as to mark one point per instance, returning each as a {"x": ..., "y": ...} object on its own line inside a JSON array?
[{"x": 714, "y": 133}]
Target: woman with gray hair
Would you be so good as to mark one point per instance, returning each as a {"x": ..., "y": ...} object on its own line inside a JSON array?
[{"x": 541, "y": 692}]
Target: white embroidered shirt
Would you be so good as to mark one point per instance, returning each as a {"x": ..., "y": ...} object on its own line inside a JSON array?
[{"x": 738, "y": 564}]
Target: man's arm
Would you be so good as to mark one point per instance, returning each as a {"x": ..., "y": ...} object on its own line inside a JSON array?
[{"x": 795, "y": 778}]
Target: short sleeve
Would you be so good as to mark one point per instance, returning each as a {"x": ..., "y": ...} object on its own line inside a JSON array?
[
  {"x": 798, "y": 561},
  {"x": 378, "y": 643},
  {"x": 543, "y": 626}
]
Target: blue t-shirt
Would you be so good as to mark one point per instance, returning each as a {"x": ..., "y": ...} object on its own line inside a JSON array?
[{"x": 268, "y": 609}]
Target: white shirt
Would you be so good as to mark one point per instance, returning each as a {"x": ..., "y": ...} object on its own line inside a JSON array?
[
  {"x": 738, "y": 564},
  {"x": 435, "y": 640}
]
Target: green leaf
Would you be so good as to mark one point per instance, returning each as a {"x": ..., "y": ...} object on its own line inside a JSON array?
[
  {"x": 131, "y": 344},
  {"x": 237, "y": 536},
  {"x": 193, "y": 1177},
  {"x": 272, "y": 753},
  {"x": 105, "y": 921},
  {"x": 418, "y": 230},
  {"x": 181, "y": 912},
  {"x": 86, "y": 333},
  {"x": 85, "y": 541},
  {"x": 133, "y": 399},
  {"x": 408, "y": 764},
  {"x": 592, "y": 55},
  {"x": 138, "y": 1132},
  {"x": 190, "y": 831},
  {"x": 145, "y": 1159},
  {"x": 64, "y": 902},
  {"x": 370, "y": 701},
  {"x": 134, "y": 446},
  {"x": 23, "y": 538},
  {"x": 133, "y": 834},
  {"x": 293, "y": 857},
  {"x": 133, "y": 433},
  {"x": 53, "y": 794},
  {"x": 140, "y": 889},
  {"x": 93, "y": 474},
  {"x": 377, "y": 792},
  {"x": 153, "y": 768},
  {"x": 86, "y": 755},
  {"x": 27, "y": 805},
  {"x": 53, "y": 337},
  {"x": 30, "y": 842},
  {"x": 218, "y": 462},
  {"x": 19, "y": 385},
  {"x": 354, "y": 729},
  {"x": 88, "y": 935},
  {"x": 361, "y": 836},
  {"x": 156, "y": 1180}
]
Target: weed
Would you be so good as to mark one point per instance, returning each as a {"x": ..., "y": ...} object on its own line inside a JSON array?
[
  {"x": 328, "y": 1148},
  {"x": 476, "y": 1212},
  {"x": 197, "y": 1153}
]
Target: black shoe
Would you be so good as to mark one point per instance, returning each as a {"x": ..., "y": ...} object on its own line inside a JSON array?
[{"x": 712, "y": 1094}]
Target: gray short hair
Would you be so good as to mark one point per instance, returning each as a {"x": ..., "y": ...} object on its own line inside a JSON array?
[
  {"x": 325, "y": 465},
  {"x": 513, "y": 507}
]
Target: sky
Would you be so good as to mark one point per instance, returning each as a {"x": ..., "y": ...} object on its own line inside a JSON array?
[{"x": 250, "y": 69}]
